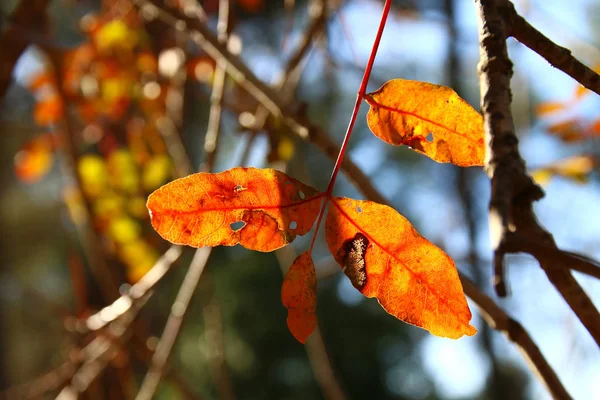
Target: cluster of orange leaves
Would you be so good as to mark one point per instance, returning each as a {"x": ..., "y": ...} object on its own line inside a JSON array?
[
  {"x": 569, "y": 129},
  {"x": 377, "y": 248},
  {"x": 117, "y": 95}
]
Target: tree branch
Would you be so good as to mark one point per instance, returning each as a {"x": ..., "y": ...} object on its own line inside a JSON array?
[
  {"x": 173, "y": 325},
  {"x": 558, "y": 56},
  {"x": 497, "y": 319},
  {"x": 513, "y": 191}
]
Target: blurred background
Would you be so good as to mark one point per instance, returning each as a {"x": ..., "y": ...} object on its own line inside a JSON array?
[{"x": 113, "y": 102}]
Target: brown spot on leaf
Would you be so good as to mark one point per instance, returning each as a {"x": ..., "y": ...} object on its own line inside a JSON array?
[{"x": 354, "y": 260}]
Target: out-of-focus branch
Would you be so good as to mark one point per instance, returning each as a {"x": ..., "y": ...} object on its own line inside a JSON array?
[
  {"x": 268, "y": 97},
  {"x": 173, "y": 325},
  {"x": 139, "y": 290},
  {"x": 99, "y": 352},
  {"x": 28, "y": 15},
  {"x": 558, "y": 56},
  {"x": 216, "y": 97},
  {"x": 513, "y": 191},
  {"x": 497, "y": 319}
]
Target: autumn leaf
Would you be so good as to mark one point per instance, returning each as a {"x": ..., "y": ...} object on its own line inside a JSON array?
[
  {"x": 386, "y": 258},
  {"x": 48, "y": 111},
  {"x": 577, "y": 168},
  {"x": 299, "y": 296},
  {"x": 34, "y": 160},
  {"x": 550, "y": 107},
  {"x": 431, "y": 119},
  {"x": 568, "y": 131},
  {"x": 205, "y": 209}
]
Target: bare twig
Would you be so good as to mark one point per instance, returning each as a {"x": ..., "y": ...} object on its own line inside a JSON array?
[
  {"x": 265, "y": 95},
  {"x": 516, "y": 242},
  {"x": 497, "y": 319},
  {"x": 216, "y": 97},
  {"x": 173, "y": 325},
  {"x": 558, "y": 56},
  {"x": 513, "y": 191},
  {"x": 139, "y": 290},
  {"x": 97, "y": 354}
]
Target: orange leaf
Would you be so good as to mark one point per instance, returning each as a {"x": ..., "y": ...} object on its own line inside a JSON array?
[
  {"x": 205, "y": 209},
  {"x": 576, "y": 168},
  {"x": 35, "y": 159},
  {"x": 48, "y": 111},
  {"x": 549, "y": 107},
  {"x": 299, "y": 296},
  {"x": 385, "y": 257},
  {"x": 431, "y": 119},
  {"x": 568, "y": 131}
]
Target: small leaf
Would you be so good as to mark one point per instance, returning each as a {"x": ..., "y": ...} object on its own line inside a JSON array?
[
  {"x": 577, "y": 168},
  {"x": 568, "y": 131},
  {"x": 205, "y": 209},
  {"x": 431, "y": 119},
  {"x": 35, "y": 159},
  {"x": 385, "y": 257},
  {"x": 299, "y": 296},
  {"x": 48, "y": 111},
  {"x": 549, "y": 107}
]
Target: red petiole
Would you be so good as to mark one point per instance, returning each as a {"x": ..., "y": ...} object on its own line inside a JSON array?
[{"x": 359, "y": 98}]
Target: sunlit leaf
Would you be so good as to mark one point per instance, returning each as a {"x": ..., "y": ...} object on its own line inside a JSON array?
[
  {"x": 156, "y": 172},
  {"x": 93, "y": 174},
  {"x": 124, "y": 229},
  {"x": 48, "y": 111},
  {"x": 386, "y": 258},
  {"x": 122, "y": 171},
  {"x": 431, "y": 119},
  {"x": 115, "y": 35},
  {"x": 568, "y": 131},
  {"x": 577, "y": 168},
  {"x": 261, "y": 209},
  {"x": 34, "y": 160},
  {"x": 299, "y": 296},
  {"x": 550, "y": 107}
]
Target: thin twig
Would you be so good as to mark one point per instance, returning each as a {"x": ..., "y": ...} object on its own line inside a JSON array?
[
  {"x": 513, "y": 191},
  {"x": 139, "y": 290},
  {"x": 559, "y": 57},
  {"x": 316, "y": 351},
  {"x": 216, "y": 97},
  {"x": 173, "y": 325},
  {"x": 97, "y": 354},
  {"x": 265, "y": 95}
]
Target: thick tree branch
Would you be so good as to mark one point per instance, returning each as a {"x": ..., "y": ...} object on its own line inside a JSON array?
[
  {"x": 558, "y": 56},
  {"x": 513, "y": 191}
]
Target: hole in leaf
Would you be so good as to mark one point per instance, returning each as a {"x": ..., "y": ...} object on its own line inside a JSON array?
[
  {"x": 236, "y": 226},
  {"x": 429, "y": 137},
  {"x": 239, "y": 188},
  {"x": 301, "y": 194},
  {"x": 293, "y": 225},
  {"x": 358, "y": 209}
]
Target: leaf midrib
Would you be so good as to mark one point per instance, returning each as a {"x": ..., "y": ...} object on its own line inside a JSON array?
[
  {"x": 413, "y": 273},
  {"x": 371, "y": 100},
  {"x": 212, "y": 209}
]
